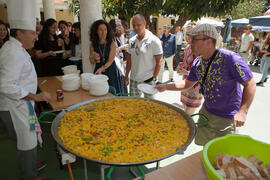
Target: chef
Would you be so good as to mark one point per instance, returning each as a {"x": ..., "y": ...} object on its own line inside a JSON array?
[{"x": 18, "y": 85}]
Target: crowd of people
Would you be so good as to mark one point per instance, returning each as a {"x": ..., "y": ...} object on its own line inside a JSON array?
[
  {"x": 259, "y": 50},
  {"x": 128, "y": 60}
]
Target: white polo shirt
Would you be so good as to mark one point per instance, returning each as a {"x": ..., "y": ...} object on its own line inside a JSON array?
[
  {"x": 179, "y": 38},
  {"x": 143, "y": 54},
  {"x": 245, "y": 40}
]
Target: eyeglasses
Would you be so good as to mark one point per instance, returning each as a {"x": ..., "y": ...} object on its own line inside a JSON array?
[{"x": 193, "y": 40}]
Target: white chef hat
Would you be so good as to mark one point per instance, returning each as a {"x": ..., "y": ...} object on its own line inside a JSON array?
[{"x": 22, "y": 14}]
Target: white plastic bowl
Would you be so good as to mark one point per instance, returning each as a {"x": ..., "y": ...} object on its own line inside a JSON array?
[{"x": 98, "y": 85}]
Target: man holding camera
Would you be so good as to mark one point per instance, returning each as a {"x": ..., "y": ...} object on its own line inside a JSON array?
[{"x": 220, "y": 73}]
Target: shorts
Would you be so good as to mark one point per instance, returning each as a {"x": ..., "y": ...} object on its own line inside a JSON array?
[{"x": 217, "y": 126}]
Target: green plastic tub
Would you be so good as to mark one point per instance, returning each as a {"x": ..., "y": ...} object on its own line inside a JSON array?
[{"x": 233, "y": 144}]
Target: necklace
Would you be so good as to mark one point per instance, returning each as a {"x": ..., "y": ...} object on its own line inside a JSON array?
[{"x": 102, "y": 52}]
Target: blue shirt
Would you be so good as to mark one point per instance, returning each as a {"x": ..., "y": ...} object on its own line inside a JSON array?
[
  {"x": 132, "y": 33},
  {"x": 168, "y": 45}
]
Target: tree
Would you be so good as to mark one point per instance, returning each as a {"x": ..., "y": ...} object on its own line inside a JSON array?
[
  {"x": 74, "y": 7},
  {"x": 184, "y": 9},
  {"x": 194, "y": 9},
  {"x": 248, "y": 9},
  {"x": 125, "y": 9}
]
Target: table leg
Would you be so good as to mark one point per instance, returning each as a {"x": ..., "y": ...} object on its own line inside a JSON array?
[
  {"x": 133, "y": 172},
  {"x": 102, "y": 171},
  {"x": 157, "y": 167},
  {"x": 85, "y": 169}
]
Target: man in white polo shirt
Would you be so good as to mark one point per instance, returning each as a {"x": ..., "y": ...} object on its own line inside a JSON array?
[
  {"x": 144, "y": 57},
  {"x": 247, "y": 40}
]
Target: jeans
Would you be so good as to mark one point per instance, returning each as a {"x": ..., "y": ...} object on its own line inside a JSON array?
[{"x": 265, "y": 64}]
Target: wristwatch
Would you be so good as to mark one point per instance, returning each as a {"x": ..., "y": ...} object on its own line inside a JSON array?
[{"x": 155, "y": 80}]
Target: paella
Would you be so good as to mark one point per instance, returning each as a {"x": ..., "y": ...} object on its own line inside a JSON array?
[{"x": 123, "y": 130}]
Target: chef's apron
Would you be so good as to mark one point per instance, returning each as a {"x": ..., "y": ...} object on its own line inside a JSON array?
[{"x": 19, "y": 112}]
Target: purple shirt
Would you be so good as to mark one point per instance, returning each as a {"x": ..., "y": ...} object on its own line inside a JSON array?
[{"x": 222, "y": 90}]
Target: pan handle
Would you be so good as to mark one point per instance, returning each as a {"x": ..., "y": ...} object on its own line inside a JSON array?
[
  {"x": 45, "y": 114},
  {"x": 203, "y": 122}
]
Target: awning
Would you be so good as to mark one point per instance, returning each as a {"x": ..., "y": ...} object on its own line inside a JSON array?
[{"x": 260, "y": 21}]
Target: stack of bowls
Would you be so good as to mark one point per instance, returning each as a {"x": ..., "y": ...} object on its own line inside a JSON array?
[
  {"x": 70, "y": 82},
  {"x": 85, "y": 77},
  {"x": 98, "y": 85},
  {"x": 71, "y": 69}
]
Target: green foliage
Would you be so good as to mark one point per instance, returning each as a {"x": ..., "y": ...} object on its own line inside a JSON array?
[
  {"x": 198, "y": 8},
  {"x": 248, "y": 9},
  {"x": 127, "y": 8},
  {"x": 74, "y": 7},
  {"x": 193, "y": 9}
]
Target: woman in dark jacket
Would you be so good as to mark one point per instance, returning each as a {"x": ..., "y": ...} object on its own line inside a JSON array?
[
  {"x": 49, "y": 51},
  {"x": 118, "y": 31},
  {"x": 76, "y": 47}
]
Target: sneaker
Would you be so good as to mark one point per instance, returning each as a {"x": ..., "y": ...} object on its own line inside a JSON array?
[
  {"x": 43, "y": 178},
  {"x": 266, "y": 79},
  {"x": 260, "y": 84},
  {"x": 41, "y": 165}
]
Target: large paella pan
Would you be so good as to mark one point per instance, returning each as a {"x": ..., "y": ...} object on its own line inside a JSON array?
[{"x": 103, "y": 135}]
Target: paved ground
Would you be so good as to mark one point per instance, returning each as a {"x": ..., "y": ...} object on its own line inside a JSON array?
[{"x": 258, "y": 120}]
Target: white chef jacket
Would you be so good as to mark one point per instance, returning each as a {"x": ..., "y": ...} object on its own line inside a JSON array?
[{"x": 17, "y": 79}]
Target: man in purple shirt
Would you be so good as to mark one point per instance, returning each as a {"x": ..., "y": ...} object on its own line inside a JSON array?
[{"x": 220, "y": 73}]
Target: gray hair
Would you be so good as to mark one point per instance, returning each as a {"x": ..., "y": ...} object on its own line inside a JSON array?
[{"x": 167, "y": 26}]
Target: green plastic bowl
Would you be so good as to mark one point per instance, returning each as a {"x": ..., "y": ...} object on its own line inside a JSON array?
[{"x": 233, "y": 144}]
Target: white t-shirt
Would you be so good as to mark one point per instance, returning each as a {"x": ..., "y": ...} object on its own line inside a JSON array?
[
  {"x": 143, "y": 54},
  {"x": 245, "y": 40},
  {"x": 179, "y": 38}
]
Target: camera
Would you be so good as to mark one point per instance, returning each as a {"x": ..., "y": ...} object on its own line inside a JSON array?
[{"x": 201, "y": 90}]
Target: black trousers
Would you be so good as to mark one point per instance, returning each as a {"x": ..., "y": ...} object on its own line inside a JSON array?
[{"x": 177, "y": 55}]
